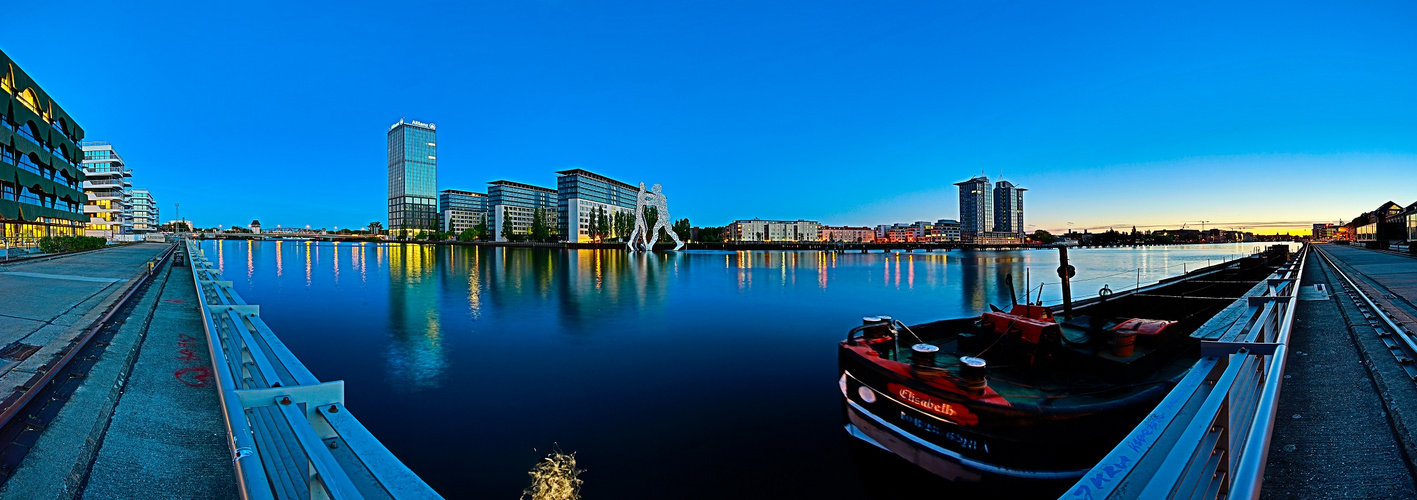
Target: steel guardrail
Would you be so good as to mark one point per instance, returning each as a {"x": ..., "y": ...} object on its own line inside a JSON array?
[
  {"x": 1209, "y": 438},
  {"x": 290, "y": 434}
]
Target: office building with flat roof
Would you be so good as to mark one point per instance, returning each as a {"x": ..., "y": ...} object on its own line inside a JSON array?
[
  {"x": 143, "y": 211},
  {"x": 41, "y": 181},
  {"x": 107, "y": 181},
  {"x": 517, "y": 202},
  {"x": 581, "y": 194},
  {"x": 461, "y": 210},
  {"x": 413, "y": 177}
]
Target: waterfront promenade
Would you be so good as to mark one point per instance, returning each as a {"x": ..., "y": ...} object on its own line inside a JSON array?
[
  {"x": 1348, "y": 408},
  {"x": 130, "y": 423}
]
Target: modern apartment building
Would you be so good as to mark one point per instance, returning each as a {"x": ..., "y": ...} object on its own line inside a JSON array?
[
  {"x": 984, "y": 210},
  {"x": 461, "y": 210},
  {"x": 1008, "y": 208},
  {"x": 41, "y": 191},
  {"x": 107, "y": 181},
  {"x": 847, "y": 234},
  {"x": 976, "y": 208},
  {"x": 580, "y": 193},
  {"x": 773, "y": 230},
  {"x": 517, "y": 202},
  {"x": 143, "y": 211},
  {"x": 413, "y": 177}
]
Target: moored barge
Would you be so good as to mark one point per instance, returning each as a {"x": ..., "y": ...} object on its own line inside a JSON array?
[{"x": 1034, "y": 393}]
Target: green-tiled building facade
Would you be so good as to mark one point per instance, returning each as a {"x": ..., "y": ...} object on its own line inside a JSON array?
[{"x": 41, "y": 183}]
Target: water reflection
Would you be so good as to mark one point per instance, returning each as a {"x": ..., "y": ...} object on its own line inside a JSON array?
[
  {"x": 427, "y": 324},
  {"x": 414, "y": 354}
]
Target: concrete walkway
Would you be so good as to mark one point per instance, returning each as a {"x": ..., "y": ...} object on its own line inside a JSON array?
[
  {"x": 1334, "y": 436},
  {"x": 145, "y": 422},
  {"x": 45, "y": 304}
]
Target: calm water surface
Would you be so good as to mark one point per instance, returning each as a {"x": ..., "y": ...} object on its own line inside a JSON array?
[{"x": 673, "y": 375}]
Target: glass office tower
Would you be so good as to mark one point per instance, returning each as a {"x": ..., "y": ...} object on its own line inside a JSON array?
[{"x": 413, "y": 177}]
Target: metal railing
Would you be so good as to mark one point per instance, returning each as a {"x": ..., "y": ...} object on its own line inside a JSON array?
[
  {"x": 291, "y": 435},
  {"x": 1209, "y": 438}
]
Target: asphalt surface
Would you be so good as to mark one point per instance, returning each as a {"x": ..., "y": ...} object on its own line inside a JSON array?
[{"x": 1342, "y": 429}]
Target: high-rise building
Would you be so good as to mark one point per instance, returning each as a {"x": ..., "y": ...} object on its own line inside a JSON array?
[
  {"x": 461, "y": 210},
  {"x": 143, "y": 212},
  {"x": 413, "y": 177},
  {"x": 40, "y": 177},
  {"x": 580, "y": 193},
  {"x": 976, "y": 208},
  {"x": 517, "y": 202},
  {"x": 1008, "y": 208},
  {"x": 107, "y": 181}
]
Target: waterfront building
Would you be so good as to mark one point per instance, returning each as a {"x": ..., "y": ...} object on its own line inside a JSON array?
[
  {"x": 847, "y": 234},
  {"x": 580, "y": 193},
  {"x": 758, "y": 230},
  {"x": 41, "y": 191},
  {"x": 976, "y": 208},
  {"x": 143, "y": 211},
  {"x": 1008, "y": 208},
  {"x": 517, "y": 202},
  {"x": 255, "y": 227},
  {"x": 943, "y": 230},
  {"x": 461, "y": 210},
  {"x": 107, "y": 181},
  {"x": 413, "y": 177},
  {"x": 1324, "y": 232}
]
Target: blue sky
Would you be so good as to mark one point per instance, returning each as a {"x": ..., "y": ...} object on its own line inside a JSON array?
[{"x": 861, "y": 113}]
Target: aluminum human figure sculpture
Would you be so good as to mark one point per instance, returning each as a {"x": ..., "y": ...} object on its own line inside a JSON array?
[
  {"x": 637, "y": 236},
  {"x": 658, "y": 202}
]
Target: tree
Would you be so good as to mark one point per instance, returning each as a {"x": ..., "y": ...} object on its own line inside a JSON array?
[
  {"x": 539, "y": 231},
  {"x": 1044, "y": 237},
  {"x": 605, "y": 225},
  {"x": 480, "y": 231},
  {"x": 682, "y": 229},
  {"x": 711, "y": 234},
  {"x": 506, "y": 225}
]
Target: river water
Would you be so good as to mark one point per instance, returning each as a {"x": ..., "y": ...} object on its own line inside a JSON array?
[{"x": 696, "y": 374}]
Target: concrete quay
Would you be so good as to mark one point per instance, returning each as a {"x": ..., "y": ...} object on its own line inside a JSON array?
[
  {"x": 142, "y": 420},
  {"x": 1347, "y": 410}
]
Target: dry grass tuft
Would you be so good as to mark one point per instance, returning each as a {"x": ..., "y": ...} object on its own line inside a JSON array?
[{"x": 554, "y": 478}]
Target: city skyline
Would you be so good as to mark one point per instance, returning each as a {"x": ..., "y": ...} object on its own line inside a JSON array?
[{"x": 1114, "y": 116}]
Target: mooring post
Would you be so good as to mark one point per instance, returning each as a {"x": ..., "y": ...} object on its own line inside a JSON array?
[{"x": 1066, "y": 272}]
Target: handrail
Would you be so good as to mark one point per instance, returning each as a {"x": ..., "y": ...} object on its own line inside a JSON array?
[
  {"x": 290, "y": 434},
  {"x": 1209, "y": 438}
]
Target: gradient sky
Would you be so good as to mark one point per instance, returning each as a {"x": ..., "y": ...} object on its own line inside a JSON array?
[{"x": 861, "y": 113}]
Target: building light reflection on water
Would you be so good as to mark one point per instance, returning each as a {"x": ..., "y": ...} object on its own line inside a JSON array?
[
  {"x": 336, "y": 262},
  {"x": 280, "y": 258},
  {"x": 307, "y": 264},
  {"x": 415, "y": 350},
  {"x": 250, "y": 261}
]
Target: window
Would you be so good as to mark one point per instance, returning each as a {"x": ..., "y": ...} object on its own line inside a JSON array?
[{"x": 28, "y": 197}]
